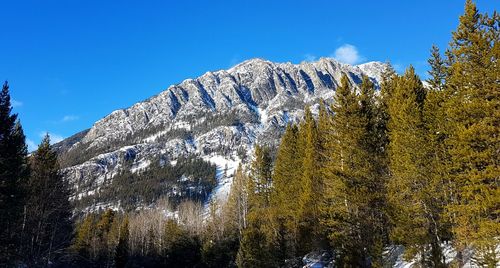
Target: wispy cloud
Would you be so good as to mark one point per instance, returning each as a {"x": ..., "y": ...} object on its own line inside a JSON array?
[
  {"x": 68, "y": 118},
  {"x": 16, "y": 103},
  {"x": 54, "y": 138},
  {"x": 348, "y": 53}
]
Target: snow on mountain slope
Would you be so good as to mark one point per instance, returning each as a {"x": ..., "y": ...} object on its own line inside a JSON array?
[{"x": 222, "y": 113}]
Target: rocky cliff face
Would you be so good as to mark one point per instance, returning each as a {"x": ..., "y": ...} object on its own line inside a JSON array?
[{"x": 218, "y": 116}]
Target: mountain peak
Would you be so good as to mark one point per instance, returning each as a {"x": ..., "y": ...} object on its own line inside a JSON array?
[{"x": 220, "y": 114}]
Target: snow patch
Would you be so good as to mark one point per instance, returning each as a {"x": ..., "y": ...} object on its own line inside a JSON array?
[
  {"x": 140, "y": 166},
  {"x": 155, "y": 136},
  {"x": 225, "y": 168}
]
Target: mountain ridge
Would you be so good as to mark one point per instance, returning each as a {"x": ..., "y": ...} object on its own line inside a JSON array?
[{"x": 220, "y": 114}]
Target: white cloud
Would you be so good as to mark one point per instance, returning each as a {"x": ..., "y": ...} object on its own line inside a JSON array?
[
  {"x": 68, "y": 118},
  {"x": 348, "y": 54},
  {"x": 54, "y": 138},
  {"x": 310, "y": 57},
  {"x": 31, "y": 145},
  {"x": 16, "y": 103}
]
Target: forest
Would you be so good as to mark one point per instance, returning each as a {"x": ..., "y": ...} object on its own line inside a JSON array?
[{"x": 414, "y": 163}]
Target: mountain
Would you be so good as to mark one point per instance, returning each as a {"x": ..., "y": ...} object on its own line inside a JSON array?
[{"x": 217, "y": 118}]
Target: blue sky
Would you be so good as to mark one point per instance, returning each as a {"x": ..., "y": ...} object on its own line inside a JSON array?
[{"x": 71, "y": 62}]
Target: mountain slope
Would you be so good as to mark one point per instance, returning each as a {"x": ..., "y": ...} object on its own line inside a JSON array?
[{"x": 218, "y": 116}]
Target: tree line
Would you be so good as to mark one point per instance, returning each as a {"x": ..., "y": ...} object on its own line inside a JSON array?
[{"x": 190, "y": 178}]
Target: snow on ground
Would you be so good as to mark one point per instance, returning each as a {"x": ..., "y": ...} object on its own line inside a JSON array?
[
  {"x": 394, "y": 256},
  {"x": 182, "y": 124},
  {"x": 263, "y": 116},
  {"x": 155, "y": 136},
  {"x": 225, "y": 168},
  {"x": 142, "y": 165}
]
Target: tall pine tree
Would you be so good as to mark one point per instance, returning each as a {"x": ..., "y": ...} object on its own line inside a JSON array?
[
  {"x": 257, "y": 241},
  {"x": 13, "y": 176},
  {"x": 412, "y": 189},
  {"x": 48, "y": 211},
  {"x": 354, "y": 188},
  {"x": 288, "y": 195},
  {"x": 473, "y": 114}
]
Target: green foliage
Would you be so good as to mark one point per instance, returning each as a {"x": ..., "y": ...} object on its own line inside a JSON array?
[
  {"x": 355, "y": 188},
  {"x": 181, "y": 249},
  {"x": 47, "y": 225},
  {"x": 471, "y": 108},
  {"x": 287, "y": 189},
  {"x": 414, "y": 193},
  {"x": 13, "y": 177}
]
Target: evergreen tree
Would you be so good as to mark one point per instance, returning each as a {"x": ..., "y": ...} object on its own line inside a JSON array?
[
  {"x": 354, "y": 186},
  {"x": 412, "y": 191},
  {"x": 13, "y": 176},
  {"x": 472, "y": 111},
  {"x": 237, "y": 206},
  {"x": 438, "y": 71},
  {"x": 121, "y": 252},
  {"x": 48, "y": 211},
  {"x": 288, "y": 196},
  {"x": 260, "y": 177},
  {"x": 257, "y": 244},
  {"x": 311, "y": 181},
  {"x": 336, "y": 207},
  {"x": 437, "y": 131},
  {"x": 82, "y": 243}
]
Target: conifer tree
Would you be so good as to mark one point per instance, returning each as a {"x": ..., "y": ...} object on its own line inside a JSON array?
[
  {"x": 312, "y": 182},
  {"x": 288, "y": 196},
  {"x": 13, "y": 177},
  {"x": 81, "y": 246},
  {"x": 354, "y": 188},
  {"x": 261, "y": 177},
  {"x": 412, "y": 192},
  {"x": 237, "y": 206},
  {"x": 438, "y": 70},
  {"x": 257, "y": 242},
  {"x": 121, "y": 252},
  {"x": 472, "y": 111},
  {"x": 336, "y": 206},
  {"x": 437, "y": 131},
  {"x": 48, "y": 212}
]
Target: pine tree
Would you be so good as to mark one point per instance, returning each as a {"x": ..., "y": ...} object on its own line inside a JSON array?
[
  {"x": 121, "y": 252},
  {"x": 412, "y": 189},
  {"x": 257, "y": 241},
  {"x": 288, "y": 196},
  {"x": 48, "y": 212},
  {"x": 472, "y": 111},
  {"x": 336, "y": 208},
  {"x": 354, "y": 186},
  {"x": 261, "y": 177},
  {"x": 437, "y": 131},
  {"x": 81, "y": 246},
  {"x": 13, "y": 176},
  {"x": 312, "y": 182},
  {"x": 237, "y": 206},
  {"x": 438, "y": 70}
]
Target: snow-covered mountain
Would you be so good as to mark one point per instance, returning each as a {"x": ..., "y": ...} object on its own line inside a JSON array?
[{"x": 218, "y": 116}]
